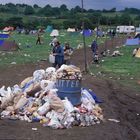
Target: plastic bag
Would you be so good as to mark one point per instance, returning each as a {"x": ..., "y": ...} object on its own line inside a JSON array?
[
  {"x": 7, "y": 98},
  {"x": 55, "y": 102},
  {"x": 51, "y": 73},
  {"x": 44, "y": 108},
  {"x": 54, "y": 121},
  {"x": 68, "y": 106},
  {"x": 39, "y": 75},
  {"x": 47, "y": 85},
  {"x": 22, "y": 101},
  {"x": 86, "y": 95},
  {"x": 51, "y": 58},
  {"x": 87, "y": 104}
]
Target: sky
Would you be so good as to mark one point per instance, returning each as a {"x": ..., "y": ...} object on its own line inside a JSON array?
[{"x": 88, "y": 4}]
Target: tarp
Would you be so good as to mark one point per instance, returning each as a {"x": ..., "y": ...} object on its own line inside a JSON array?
[
  {"x": 132, "y": 42},
  {"x": 138, "y": 53},
  {"x": 54, "y": 33},
  {"x": 4, "y": 35},
  {"x": 8, "y": 46}
]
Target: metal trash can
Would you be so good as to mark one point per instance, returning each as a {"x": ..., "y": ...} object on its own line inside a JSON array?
[{"x": 70, "y": 89}]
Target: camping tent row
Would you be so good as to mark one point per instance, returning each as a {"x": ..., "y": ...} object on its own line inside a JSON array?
[{"x": 85, "y": 32}]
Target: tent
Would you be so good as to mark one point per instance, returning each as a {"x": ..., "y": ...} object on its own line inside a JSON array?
[
  {"x": 87, "y": 32},
  {"x": 8, "y": 46},
  {"x": 49, "y": 29},
  {"x": 137, "y": 35},
  {"x": 132, "y": 42},
  {"x": 1, "y": 42},
  {"x": 54, "y": 33},
  {"x": 8, "y": 29},
  {"x": 71, "y": 30},
  {"x": 4, "y": 35},
  {"x": 138, "y": 53}
]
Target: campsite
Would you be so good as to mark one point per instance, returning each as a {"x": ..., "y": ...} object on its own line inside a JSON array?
[{"x": 115, "y": 80}]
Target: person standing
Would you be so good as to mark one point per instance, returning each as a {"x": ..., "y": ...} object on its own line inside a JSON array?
[
  {"x": 94, "y": 48},
  {"x": 38, "y": 39},
  {"x": 53, "y": 41},
  {"x": 58, "y": 52},
  {"x": 67, "y": 53}
]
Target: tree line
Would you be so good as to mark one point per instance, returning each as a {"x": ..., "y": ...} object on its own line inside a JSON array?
[{"x": 34, "y": 17}]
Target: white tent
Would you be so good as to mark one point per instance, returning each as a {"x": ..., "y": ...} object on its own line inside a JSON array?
[
  {"x": 54, "y": 33},
  {"x": 71, "y": 30}
]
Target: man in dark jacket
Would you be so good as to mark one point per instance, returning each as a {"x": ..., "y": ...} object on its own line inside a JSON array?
[
  {"x": 94, "y": 47},
  {"x": 58, "y": 52}
]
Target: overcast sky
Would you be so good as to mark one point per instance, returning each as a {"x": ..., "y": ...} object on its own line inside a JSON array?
[{"x": 88, "y": 4}]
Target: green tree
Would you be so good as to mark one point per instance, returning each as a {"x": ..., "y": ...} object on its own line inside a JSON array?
[
  {"x": 76, "y": 9},
  {"x": 69, "y": 23},
  {"x": 2, "y": 23},
  {"x": 125, "y": 19},
  {"x": 29, "y": 10},
  {"x": 14, "y": 21},
  {"x": 35, "y": 6},
  {"x": 112, "y": 10},
  {"x": 63, "y": 7}
]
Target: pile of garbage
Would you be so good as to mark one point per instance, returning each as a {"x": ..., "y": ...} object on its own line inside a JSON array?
[
  {"x": 69, "y": 72},
  {"x": 35, "y": 99}
]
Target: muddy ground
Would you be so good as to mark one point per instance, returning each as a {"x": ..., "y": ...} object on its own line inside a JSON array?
[{"x": 121, "y": 103}]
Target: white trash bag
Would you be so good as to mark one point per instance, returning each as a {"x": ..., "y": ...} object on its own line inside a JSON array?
[
  {"x": 51, "y": 58},
  {"x": 68, "y": 106},
  {"x": 44, "y": 108}
]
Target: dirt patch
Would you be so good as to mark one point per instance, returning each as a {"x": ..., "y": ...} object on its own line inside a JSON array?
[{"x": 121, "y": 103}]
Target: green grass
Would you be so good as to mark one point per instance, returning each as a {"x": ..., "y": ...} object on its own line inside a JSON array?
[
  {"x": 38, "y": 52},
  {"x": 125, "y": 69}
]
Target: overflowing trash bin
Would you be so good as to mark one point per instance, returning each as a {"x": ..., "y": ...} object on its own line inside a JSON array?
[
  {"x": 55, "y": 98},
  {"x": 68, "y": 84},
  {"x": 70, "y": 89}
]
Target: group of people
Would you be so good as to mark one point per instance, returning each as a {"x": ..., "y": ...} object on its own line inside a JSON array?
[{"x": 62, "y": 54}]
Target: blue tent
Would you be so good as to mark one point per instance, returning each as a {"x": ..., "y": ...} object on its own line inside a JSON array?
[
  {"x": 87, "y": 32},
  {"x": 49, "y": 29},
  {"x": 1, "y": 42},
  {"x": 132, "y": 42},
  {"x": 4, "y": 35}
]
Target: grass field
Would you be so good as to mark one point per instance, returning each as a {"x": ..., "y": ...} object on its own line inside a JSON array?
[
  {"x": 124, "y": 69},
  {"x": 35, "y": 52}
]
